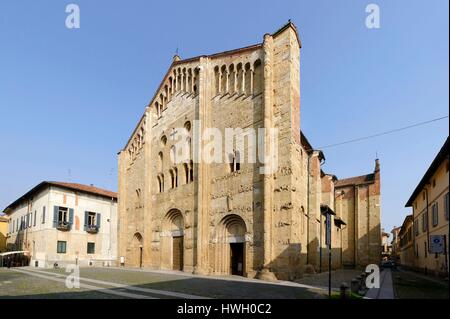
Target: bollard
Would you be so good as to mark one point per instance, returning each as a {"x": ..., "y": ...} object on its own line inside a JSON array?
[
  {"x": 354, "y": 286},
  {"x": 359, "y": 281},
  {"x": 343, "y": 288}
]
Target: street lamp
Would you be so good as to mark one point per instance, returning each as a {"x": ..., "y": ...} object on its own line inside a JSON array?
[{"x": 327, "y": 211}]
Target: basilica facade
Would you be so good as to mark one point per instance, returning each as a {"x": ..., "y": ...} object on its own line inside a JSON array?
[{"x": 257, "y": 210}]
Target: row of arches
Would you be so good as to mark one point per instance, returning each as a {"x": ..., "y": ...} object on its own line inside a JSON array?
[
  {"x": 136, "y": 144},
  {"x": 174, "y": 182},
  {"x": 181, "y": 79},
  {"x": 238, "y": 78}
]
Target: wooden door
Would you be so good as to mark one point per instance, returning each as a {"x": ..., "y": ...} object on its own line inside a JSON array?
[{"x": 177, "y": 253}]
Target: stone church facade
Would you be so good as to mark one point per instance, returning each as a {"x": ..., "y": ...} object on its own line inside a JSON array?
[{"x": 226, "y": 217}]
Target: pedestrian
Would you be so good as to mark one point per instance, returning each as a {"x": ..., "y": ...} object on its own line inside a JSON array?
[{"x": 8, "y": 262}]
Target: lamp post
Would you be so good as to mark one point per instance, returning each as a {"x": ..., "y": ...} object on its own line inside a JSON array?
[{"x": 327, "y": 211}]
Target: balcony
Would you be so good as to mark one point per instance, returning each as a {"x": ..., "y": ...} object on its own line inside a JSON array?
[
  {"x": 92, "y": 229},
  {"x": 63, "y": 226}
]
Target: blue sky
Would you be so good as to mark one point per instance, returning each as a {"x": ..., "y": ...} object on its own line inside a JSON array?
[{"x": 69, "y": 99}]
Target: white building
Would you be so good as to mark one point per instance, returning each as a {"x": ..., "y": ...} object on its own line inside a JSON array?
[{"x": 64, "y": 223}]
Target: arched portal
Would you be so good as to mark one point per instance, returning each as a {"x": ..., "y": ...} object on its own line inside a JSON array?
[
  {"x": 172, "y": 241},
  {"x": 231, "y": 246},
  {"x": 135, "y": 256}
]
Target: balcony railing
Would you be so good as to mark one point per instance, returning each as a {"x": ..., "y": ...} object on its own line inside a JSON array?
[
  {"x": 63, "y": 226},
  {"x": 92, "y": 229}
]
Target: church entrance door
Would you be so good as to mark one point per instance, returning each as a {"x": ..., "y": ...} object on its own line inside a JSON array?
[
  {"x": 237, "y": 258},
  {"x": 177, "y": 253}
]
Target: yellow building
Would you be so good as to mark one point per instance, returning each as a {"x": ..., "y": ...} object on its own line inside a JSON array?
[
  {"x": 430, "y": 204},
  {"x": 3, "y": 233},
  {"x": 406, "y": 243}
]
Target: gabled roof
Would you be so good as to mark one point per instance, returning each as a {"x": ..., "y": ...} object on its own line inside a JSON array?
[
  {"x": 178, "y": 61},
  {"x": 357, "y": 180},
  {"x": 70, "y": 186},
  {"x": 440, "y": 157}
]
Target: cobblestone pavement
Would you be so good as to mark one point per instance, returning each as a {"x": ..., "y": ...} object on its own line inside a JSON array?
[{"x": 30, "y": 282}]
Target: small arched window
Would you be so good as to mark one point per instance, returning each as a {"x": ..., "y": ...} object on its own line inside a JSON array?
[
  {"x": 237, "y": 160},
  {"x": 160, "y": 161},
  {"x": 160, "y": 179},
  {"x": 191, "y": 171},
  {"x": 172, "y": 178},
  {"x": 186, "y": 172},
  {"x": 175, "y": 170},
  {"x": 163, "y": 140}
]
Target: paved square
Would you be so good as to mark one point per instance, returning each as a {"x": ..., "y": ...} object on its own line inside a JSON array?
[{"x": 102, "y": 283}]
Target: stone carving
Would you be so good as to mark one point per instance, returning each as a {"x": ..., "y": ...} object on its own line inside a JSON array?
[
  {"x": 231, "y": 175},
  {"x": 285, "y": 188},
  {"x": 282, "y": 224},
  {"x": 286, "y": 206},
  {"x": 241, "y": 189},
  {"x": 230, "y": 203}
]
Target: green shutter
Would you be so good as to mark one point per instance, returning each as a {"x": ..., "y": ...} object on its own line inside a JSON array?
[
  {"x": 85, "y": 220},
  {"x": 99, "y": 217},
  {"x": 70, "y": 216},
  {"x": 55, "y": 216}
]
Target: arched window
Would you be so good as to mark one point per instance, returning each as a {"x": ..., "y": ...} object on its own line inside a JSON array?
[
  {"x": 235, "y": 162},
  {"x": 191, "y": 171},
  {"x": 175, "y": 170},
  {"x": 163, "y": 140},
  {"x": 186, "y": 172},
  {"x": 216, "y": 80},
  {"x": 231, "y": 156},
  {"x": 187, "y": 126},
  {"x": 172, "y": 178},
  {"x": 239, "y": 79},
  {"x": 223, "y": 79},
  {"x": 158, "y": 110},
  {"x": 159, "y": 185},
  {"x": 160, "y": 161},
  {"x": 231, "y": 79},
  {"x": 257, "y": 77}
]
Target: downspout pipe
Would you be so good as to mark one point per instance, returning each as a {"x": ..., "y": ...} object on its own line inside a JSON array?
[
  {"x": 427, "y": 216},
  {"x": 355, "y": 202}
]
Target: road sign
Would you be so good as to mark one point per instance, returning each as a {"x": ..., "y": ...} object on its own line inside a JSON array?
[
  {"x": 328, "y": 230},
  {"x": 437, "y": 244}
]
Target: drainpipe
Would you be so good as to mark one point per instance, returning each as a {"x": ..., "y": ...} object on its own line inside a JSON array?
[
  {"x": 355, "y": 201},
  {"x": 307, "y": 210},
  {"x": 428, "y": 219}
]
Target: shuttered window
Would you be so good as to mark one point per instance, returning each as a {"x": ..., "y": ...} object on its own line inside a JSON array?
[
  {"x": 61, "y": 247},
  {"x": 446, "y": 205},
  {"x": 91, "y": 248},
  {"x": 435, "y": 213}
]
